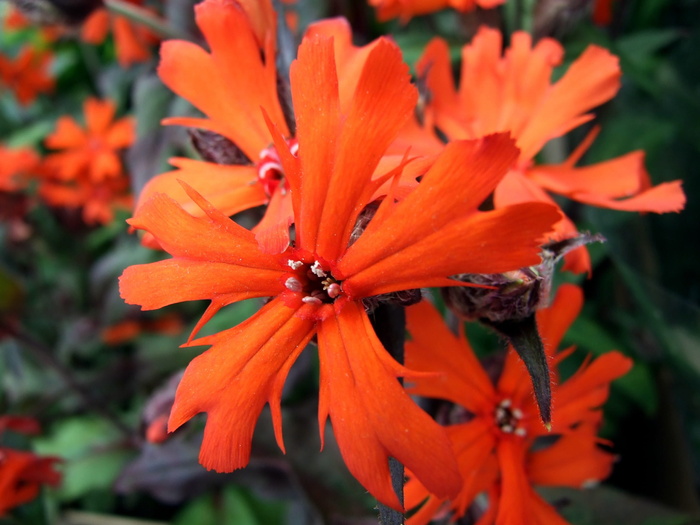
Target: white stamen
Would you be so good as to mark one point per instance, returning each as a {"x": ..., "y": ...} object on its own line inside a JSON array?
[
  {"x": 311, "y": 300},
  {"x": 507, "y": 429},
  {"x": 294, "y": 265},
  {"x": 520, "y": 431},
  {"x": 517, "y": 413},
  {"x": 333, "y": 290},
  {"x": 505, "y": 403},
  {"x": 293, "y": 284},
  {"x": 317, "y": 270},
  {"x": 267, "y": 167}
]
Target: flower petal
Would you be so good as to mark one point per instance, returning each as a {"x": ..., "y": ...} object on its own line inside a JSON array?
[
  {"x": 663, "y": 198},
  {"x": 460, "y": 179},
  {"x": 575, "y": 399},
  {"x": 619, "y": 177},
  {"x": 177, "y": 280},
  {"x": 230, "y": 189},
  {"x": 98, "y": 116},
  {"x": 372, "y": 416},
  {"x": 272, "y": 232},
  {"x": 314, "y": 85},
  {"x": 383, "y": 101},
  {"x": 434, "y": 348},
  {"x": 592, "y": 79},
  {"x": 212, "y": 238},
  {"x": 233, "y": 380},
  {"x": 575, "y": 461},
  {"x": 338, "y": 157},
  {"x": 214, "y": 83},
  {"x": 68, "y": 134},
  {"x": 349, "y": 59}
]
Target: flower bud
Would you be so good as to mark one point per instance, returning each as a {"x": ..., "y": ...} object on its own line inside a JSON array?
[
  {"x": 217, "y": 148},
  {"x": 512, "y": 295},
  {"x": 508, "y": 306}
]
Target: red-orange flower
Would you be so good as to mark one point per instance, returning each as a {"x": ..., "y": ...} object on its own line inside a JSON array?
[
  {"x": 97, "y": 200},
  {"x": 27, "y": 75},
  {"x": 88, "y": 174},
  {"x": 496, "y": 429},
  {"x": 15, "y": 165},
  {"x": 132, "y": 41},
  {"x": 22, "y": 473},
  {"x": 514, "y": 93},
  {"x": 405, "y": 9},
  {"x": 94, "y": 149},
  {"x": 318, "y": 284}
]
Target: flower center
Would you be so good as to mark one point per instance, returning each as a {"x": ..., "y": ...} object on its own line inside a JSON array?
[
  {"x": 270, "y": 171},
  {"x": 314, "y": 282},
  {"x": 509, "y": 419}
]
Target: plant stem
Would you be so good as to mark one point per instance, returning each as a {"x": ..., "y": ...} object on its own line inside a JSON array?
[
  {"x": 389, "y": 322},
  {"x": 143, "y": 16}
]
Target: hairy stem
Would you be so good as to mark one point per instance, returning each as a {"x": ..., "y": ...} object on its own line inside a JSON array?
[
  {"x": 143, "y": 16},
  {"x": 389, "y": 322}
]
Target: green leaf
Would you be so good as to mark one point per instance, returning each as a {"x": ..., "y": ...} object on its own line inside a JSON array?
[
  {"x": 234, "y": 507},
  {"x": 91, "y": 460}
]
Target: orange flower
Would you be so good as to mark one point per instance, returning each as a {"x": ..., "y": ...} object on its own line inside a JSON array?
[
  {"x": 93, "y": 150},
  {"x": 514, "y": 93},
  {"x": 317, "y": 285},
  {"x": 88, "y": 174},
  {"x": 15, "y": 165},
  {"x": 494, "y": 427},
  {"x": 27, "y": 75},
  {"x": 132, "y": 41},
  {"x": 387, "y": 9},
  {"x": 22, "y": 473},
  {"x": 214, "y": 83},
  {"x": 98, "y": 200}
]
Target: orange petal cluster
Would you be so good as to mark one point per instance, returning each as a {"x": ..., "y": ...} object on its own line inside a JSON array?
[
  {"x": 496, "y": 431},
  {"x": 27, "y": 75},
  {"x": 88, "y": 172},
  {"x": 515, "y": 93},
  {"x": 318, "y": 282}
]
